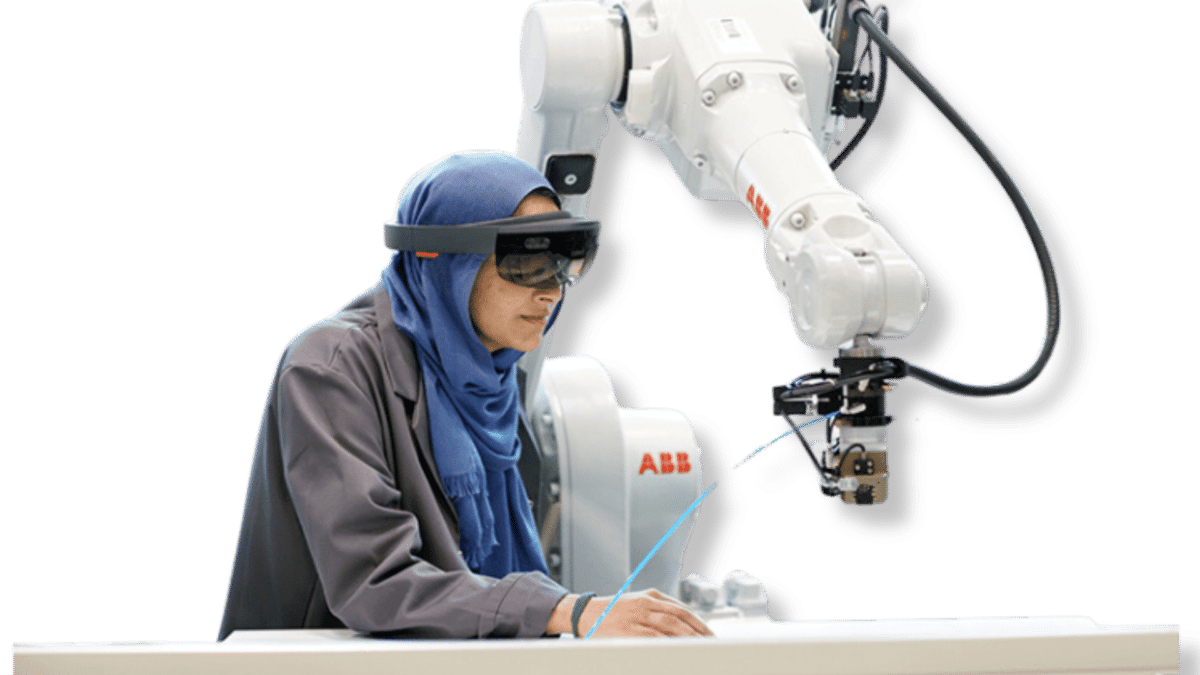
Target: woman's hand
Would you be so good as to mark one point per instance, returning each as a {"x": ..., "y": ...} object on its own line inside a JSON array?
[{"x": 644, "y": 613}]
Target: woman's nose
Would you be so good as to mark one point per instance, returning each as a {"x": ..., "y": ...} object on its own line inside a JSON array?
[{"x": 551, "y": 295}]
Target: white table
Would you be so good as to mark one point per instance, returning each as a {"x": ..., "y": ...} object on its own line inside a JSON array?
[{"x": 1019, "y": 646}]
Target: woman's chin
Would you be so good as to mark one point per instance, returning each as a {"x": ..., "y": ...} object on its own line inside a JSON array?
[
  {"x": 527, "y": 344},
  {"x": 520, "y": 338}
]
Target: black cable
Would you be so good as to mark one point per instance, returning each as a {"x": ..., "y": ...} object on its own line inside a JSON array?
[
  {"x": 892, "y": 367},
  {"x": 803, "y": 440},
  {"x": 867, "y": 122},
  {"x": 847, "y": 454},
  {"x": 863, "y": 18},
  {"x": 823, "y": 470}
]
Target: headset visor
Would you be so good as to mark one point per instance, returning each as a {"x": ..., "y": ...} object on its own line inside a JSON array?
[
  {"x": 543, "y": 251},
  {"x": 532, "y": 255}
]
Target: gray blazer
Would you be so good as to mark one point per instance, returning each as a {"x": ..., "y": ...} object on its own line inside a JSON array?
[{"x": 346, "y": 521}]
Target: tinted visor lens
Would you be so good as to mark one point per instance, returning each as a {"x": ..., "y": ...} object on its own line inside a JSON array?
[{"x": 546, "y": 259}]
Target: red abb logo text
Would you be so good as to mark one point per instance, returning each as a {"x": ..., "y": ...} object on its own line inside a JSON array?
[
  {"x": 665, "y": 463},
  {"x": 760, "y": 207}
]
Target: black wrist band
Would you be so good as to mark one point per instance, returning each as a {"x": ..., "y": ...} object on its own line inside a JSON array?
[{"x": 577, "y": 612}]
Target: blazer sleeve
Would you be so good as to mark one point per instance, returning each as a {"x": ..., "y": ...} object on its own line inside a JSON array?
[{"x": 364, "y": 546}]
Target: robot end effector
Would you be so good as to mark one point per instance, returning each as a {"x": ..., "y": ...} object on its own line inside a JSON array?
[{"x": 740, "y": 101}]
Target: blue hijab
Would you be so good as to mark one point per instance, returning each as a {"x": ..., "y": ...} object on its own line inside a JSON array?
[{"x": 471, "y": 394}]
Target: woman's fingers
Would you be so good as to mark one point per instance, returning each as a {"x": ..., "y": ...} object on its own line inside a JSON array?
[
  {"x": 695, "y": 623},
  {"x": 670, "y": 617},
  {"x": 688, "y": 621},
  {"x": 679, "y": 612},
  {"x": 648, "y": 613},
  {"x": 669, "y": 624}
]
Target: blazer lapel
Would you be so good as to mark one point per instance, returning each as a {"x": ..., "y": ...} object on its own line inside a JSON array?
[{"x": 404, "y": 372}]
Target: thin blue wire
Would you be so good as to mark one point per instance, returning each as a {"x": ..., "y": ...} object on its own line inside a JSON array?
[
  {"x": 785, "y": 435},
  {"x": 649, "y": 555},
  {"x": 679, "y": 521}
]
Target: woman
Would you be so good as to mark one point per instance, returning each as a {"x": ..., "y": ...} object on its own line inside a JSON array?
[{"x": 384, "y": 494}]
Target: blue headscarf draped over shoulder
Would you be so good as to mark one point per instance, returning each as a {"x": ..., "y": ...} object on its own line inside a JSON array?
[{"x": 472, "y": 395}]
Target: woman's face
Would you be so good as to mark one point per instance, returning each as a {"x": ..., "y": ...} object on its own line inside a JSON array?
[{"x": 505, "y": 314}]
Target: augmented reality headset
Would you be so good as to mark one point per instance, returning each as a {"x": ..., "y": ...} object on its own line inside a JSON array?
[{"x": 543, "y": 251}]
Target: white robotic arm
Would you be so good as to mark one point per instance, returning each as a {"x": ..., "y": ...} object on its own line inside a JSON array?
[
  {"x": 744, "y": 97},
  {"x": 738, "y": 95}
]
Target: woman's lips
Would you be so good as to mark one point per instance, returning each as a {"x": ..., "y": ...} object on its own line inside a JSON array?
[{"x": 538, "y": 320}]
